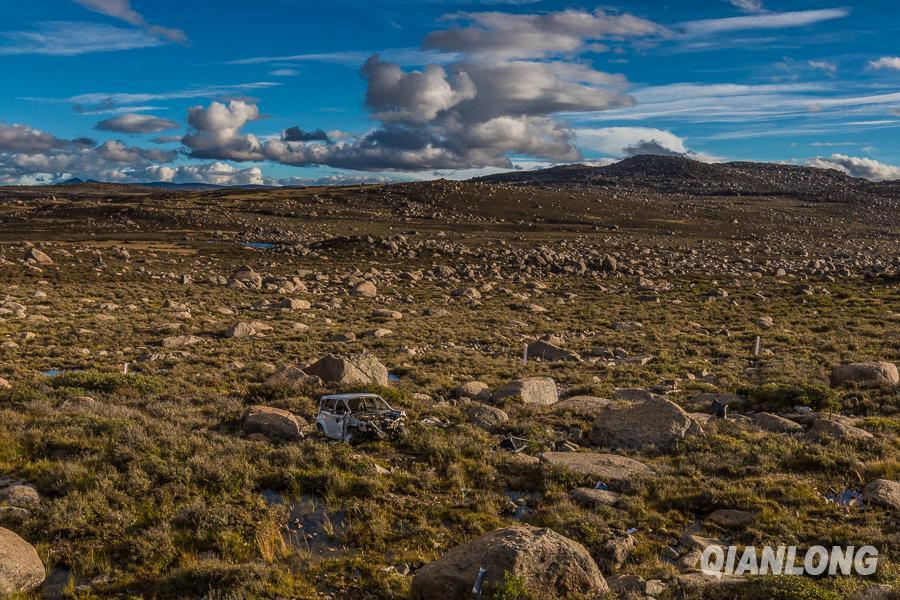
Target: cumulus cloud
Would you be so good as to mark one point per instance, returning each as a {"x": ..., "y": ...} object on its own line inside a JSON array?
[
  {"x": 416, "y": 96},
  {"x": 857, "y": 166},
  {"x": 474, "y": 112},
  {"x": 29, "y": 154},
  {"x": 22, "y": 138},
  {"x": 215, "y": 173},
  {"x": 134, "y": 123},
  {"x": 295, "y": 134},
  {"x": 122, "y": 10},
  {"x": 217, "y": 131},
  {"x": 886, "y": 62},
  {"x": 622, "y": 142},
  {"x": 511, "y": 36}
]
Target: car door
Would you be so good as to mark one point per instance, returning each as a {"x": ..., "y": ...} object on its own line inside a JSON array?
[{"x": 332, "y": 420}]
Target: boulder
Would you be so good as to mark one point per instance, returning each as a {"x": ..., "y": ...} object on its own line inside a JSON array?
[
  {"x": 240, "y": 330},
  {"x": 547, "y": 351},
  {"x": 593, "y": 498},
  {"x": 584, "y": 406},
  {"x": 292, "y": 377},
  {"x": 541, "y": 558},
  {"x": 775, "y": 424},
  {"x": 366, "y": 289},
  {"x": 273, "y": 423},
  {"x": 37, "y": 256},
  {"x": 294, "y": 304},
  {"x": 609, "y": 264},
  {"x": 827, "y": 425},
  {"x": 866, "y": 374},
  {"x": 489, "y": 418},
  {"x": 610, "y": 468},
  {"x": 20, "y": 496},
  {"x": 473, "y": 389},
  {"x": 21, "y": 569},
  {"x": 655, "y": 423},
  {"x": 362, "y": 368},
  {"x": 181, "y": 341},
  {"x": 540, "y": 391},
  {"x": 883, "y": 492}
]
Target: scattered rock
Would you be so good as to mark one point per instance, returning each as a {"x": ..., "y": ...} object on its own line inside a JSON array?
[
  {"x": 594, "y": 498},
  {"x": 39, "y": 257},
  {"x": 20, "y": 496},
  {"x": 547, "y": 351},
  {"x": 775, "y": 424},
  {"x": 473, "y": 389},
  {"x": 867, "y": 374},
  {"x": 366, "y": 289},
  {"x": 828, "y": 425},
  {"x": 541, "y": 558},
  {"x": 357, "y": 368},
  {"x": 273, "y": 423},
  {"x": 883, "y": 492},
  {"x": 652, "y": 423},
  {"x": 489, "y": 418},
  {"x": 612, "y": 469},
  {"x": 240, "y": 330},
  {"x": 21, "y": 569},
  {"x": 540, "y": 391}
]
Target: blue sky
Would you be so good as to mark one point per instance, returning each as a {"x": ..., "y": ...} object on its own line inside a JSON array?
[{"x": 289, "y": 91}]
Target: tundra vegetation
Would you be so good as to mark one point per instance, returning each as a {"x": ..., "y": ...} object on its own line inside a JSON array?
[{"x": 196, "y": 471}]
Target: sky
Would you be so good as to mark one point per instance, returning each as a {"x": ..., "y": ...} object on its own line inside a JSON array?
[{"x": 296, "y": 92}]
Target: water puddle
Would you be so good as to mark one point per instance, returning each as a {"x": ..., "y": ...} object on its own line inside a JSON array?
[
  {"x": 310, "y": 525},
  {"x": 258, "y": 245}
]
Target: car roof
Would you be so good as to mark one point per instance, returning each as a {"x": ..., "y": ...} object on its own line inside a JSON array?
[{"x": 349, "y": 396}]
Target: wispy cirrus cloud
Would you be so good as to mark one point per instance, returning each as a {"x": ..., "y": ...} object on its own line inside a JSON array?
[
  {"x": 122, "y": 10},
  {"x": 765, "y": 21},
  {"x": 407, "y": 57},
  {"x": 750, "y": 6},
  {"x": 71, "y": 38},
  {"x": 109, "y": 100}
]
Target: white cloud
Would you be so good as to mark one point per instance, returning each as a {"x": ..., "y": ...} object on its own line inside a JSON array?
[
  {"x": 750, "y": 6},
  {"x": 134, "y": 123},
  {"x": 886, "y": 62},
  {"x": 122, "y": 10},
  {"x": 405, "y": 57},
  {"x": 28, "y": 154},
  {"x": 782, "y": 20},
  {"x": 621, "y": 142},
  {"x": 824, "y": 66},
  {"x": 856, "y": 166},
  {"x": 217, "y": 132},
  {"x": 71, "y": 38},
  {"x": 416, "y": 96},
  {"x": 508, "y": 36},
  {"x": 215, "y": 173},
  {"x": 111, "y": 100}
]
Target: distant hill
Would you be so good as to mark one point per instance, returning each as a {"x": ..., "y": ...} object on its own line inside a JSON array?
[
  {"x": 77, "y": 181},
  {"x": 673, "y": 174}
]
